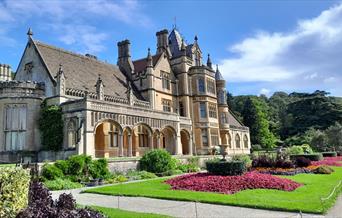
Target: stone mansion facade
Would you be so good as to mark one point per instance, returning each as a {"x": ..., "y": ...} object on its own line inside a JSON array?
[{"x": 169, "y": 100}]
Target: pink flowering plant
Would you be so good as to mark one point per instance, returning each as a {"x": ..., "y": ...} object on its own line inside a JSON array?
[
  {"x": 329, "y": 161},
  {"x": 231, "y": 184}
]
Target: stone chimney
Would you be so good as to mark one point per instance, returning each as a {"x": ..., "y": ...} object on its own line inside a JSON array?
[
  {"x": 5, "y": 72},
  {"x": 163, "y": 41},
  {"x": 124, "y": 58}
]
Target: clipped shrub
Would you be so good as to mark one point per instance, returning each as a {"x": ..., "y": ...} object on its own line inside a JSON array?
[
  {"x": 63, "y": 165},
  {"x": 61, "y": 184},
  {"x": 157, "y": 161},
  {"x": 329, "y": 154},
  {"x": 99, "y": 169},
  {"x": 306, "y": 149},
  {"x": 226, "y": 168},
  {"x": 302, "y": 162},
  {"x": 263, "y": 161},
  {"x": 78, "y": 164},
  {"x": 14, "y": 186},
  {"x": 244, "y": 158},
  {"x": 323, "y": 170},
  {"x": 51, "y": 172},
  {"x": 312, "y": 157},
  {"x": 295, "y": 150}
]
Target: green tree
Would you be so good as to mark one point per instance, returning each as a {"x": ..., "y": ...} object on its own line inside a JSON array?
[
  {"x": 254, "y": 117},
  {"x": 319, "y": 141},
  {"x": 334, "y": 136}
]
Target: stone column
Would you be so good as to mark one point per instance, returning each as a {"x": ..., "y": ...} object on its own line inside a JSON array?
[
  {"x": 209, "y": 137},
  {"x": 121, "y": 145},
  {"x": 150, "y": 141},
  {"x": 190, "y": 146},
  {"x": 158, "y": 141},
  {"x": 129, "y": 139}
]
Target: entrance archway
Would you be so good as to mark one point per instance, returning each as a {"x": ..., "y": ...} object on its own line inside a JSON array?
[
  {"x": 185, "y": 140},
  {"x": 142, "y": 139},
  {"x": 108, "y": 139},
  {"x": 168, "y": 139}
]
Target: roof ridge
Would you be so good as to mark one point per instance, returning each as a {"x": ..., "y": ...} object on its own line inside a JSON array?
[{"x": 73, "y": 53}]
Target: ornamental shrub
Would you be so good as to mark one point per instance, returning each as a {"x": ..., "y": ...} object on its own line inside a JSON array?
[
  {"x": 306, "y": 149},
  {"x": 294, "y": 150},
  {"x": 284, "y": 163},
  {"x": 61, "y": 184},
  {"x": 78, "y": 164},
  {"x": 226, "y": 168},
  {"x": 63, "y": 165},
  {"x": 244, "y": 158},
  {"x": 99, "y": 169},
  {"x": 329, "y": 154},
  {"x": 302, "y": 162},
  {"x": 137, "y": 175},
  {"x": 51, "y": 172},
  {"x": 323, "y": 170},
  {"x": 157, "y": 161},
  {"x": 263, "y": 161},
  {"x": 14, "y": 185},
  {"x": 312, "y": 157}
]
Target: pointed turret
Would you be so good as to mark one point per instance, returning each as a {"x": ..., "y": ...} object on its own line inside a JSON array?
[
  {"x": 218, "y": 75},
  {"x": 209, "y": 63}
]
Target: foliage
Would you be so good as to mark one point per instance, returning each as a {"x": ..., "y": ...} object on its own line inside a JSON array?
[
  {"x": 191, "y": 166},
  {"x": 51, "y": 172},
  {"x": 329, "y": 154},
  {"x": 226, "y": 168},
  {"x": 244, "y": 158},
  {"x": 312, "y": 157},
  {"x": 63, "y": 165},
  {"x": 99, "y": 169},
  {"x": 137, "y": 175},
  {"x": 41, "y": 205},
  {"x": 302, "y": 162},
  {"x": 255, "y": 118},
  {"x": 118, "y": 213},
  {"x": 293, "y": 150},
  {"x": 284, "y": 171},
  {"x": 14, "y": 183},
  {"x": 256, "y": 148},
  {"x": 334, "y": 137},
  {"x": 172, "y": 172},
  {"x": 319, "y": 141},
  {"x": 270, "y": 161},
  {"x": 157, "y": 161},
  {"x": 307, "y": 198},
  {"x": 230, "y": 184},
  {"x": 323, "y": 170},
  {"x": 329, "y": 161},
  {"x": 61, "y": 184},
  {"x": 51, "y": 127},
  {"x": 78, "y": 164}
]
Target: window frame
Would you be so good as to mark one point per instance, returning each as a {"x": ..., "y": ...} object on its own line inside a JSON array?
[{"x": 203, "y": 109}]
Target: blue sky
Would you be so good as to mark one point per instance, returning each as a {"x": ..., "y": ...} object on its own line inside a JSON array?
[{"x": 260, "y": 46}]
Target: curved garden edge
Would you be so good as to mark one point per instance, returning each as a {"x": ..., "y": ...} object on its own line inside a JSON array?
[{"x": 266, "y": 198}]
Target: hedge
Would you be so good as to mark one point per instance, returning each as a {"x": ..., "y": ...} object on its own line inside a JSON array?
[
  {"x": 14, "y": 185},
  {"x": 226, "y": 168},
  {"x": 312, "y": 157},
  {"x": 329, "y": 154}
]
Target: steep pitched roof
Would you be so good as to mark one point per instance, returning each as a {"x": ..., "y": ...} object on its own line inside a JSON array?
[
  {"x": 81, "y": 72},
  {"x": 140, "y": 65},
  {"x": 175, "y": 42},
  {"x": 232, "y": 120}
]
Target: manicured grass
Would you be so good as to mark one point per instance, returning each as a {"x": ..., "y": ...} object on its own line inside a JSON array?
[
  {"x": 7, "y": 165},
  {"x": 306, "y": 198},
  {"x": 115, "y": 213}
]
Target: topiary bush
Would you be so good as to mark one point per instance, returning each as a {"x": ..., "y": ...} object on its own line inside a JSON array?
[
  {"x": 51, "y": 172},
  {"x": 244, "y": 158},
  {"x": 295, "y": 150},
  {"x": 323, "y": 170},
  {"x": 14, "y": 186},
  {"x": 302, "y": 162},
  {"x": 157, "y": 161},
  {"x": 329, "y": 154},
  {"x": 312, "y": 157},
  {"x": 226, "y": 168}
]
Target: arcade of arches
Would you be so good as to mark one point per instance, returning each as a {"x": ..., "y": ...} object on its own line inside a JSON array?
[{"x": 112, "y": 140}]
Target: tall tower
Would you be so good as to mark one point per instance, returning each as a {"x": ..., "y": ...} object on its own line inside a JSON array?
[
  {"x": 222, "y": 101},
  {"x": 150, "y": 79}
]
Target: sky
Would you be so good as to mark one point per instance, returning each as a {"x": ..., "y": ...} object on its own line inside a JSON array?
[{"x": 260, "y": 46}]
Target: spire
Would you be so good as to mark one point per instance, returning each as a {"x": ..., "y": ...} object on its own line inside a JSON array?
[
  {"x": 29, "y": 32},
  {"x": 209, "y": 63},
  {"x": 218, "y": 75},
  {"x": 149, "y": 59},
  {"x": 196, "y": 38}
]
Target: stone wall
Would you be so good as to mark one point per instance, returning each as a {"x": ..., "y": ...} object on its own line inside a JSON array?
[{"x": 5, "y": 72}]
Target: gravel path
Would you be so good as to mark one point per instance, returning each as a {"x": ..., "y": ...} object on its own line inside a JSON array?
[{"x": 184, "y": 208}]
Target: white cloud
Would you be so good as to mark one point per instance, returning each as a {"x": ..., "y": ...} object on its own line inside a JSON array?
[
  {"x": 264, "y": 91},
  {"x": 296, "y": 60}
]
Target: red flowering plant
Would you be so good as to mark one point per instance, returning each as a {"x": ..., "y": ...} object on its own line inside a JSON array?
[
  {"x": 230, "y": 184},
  {"x": 329, "y": 161}
]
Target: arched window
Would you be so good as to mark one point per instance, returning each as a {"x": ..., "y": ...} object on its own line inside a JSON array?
[
  {"x": 72, "y": 134},
  {"x": 113, "y": 135},
  {"x": 237, "y": 141},
  {"x": 229, "y": 140},
  {"x": 245, "y": 141},
  {"x": 143, "y": 136}
]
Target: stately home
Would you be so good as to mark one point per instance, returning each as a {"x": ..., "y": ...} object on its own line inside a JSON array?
[{"x": 169, "y": 99}]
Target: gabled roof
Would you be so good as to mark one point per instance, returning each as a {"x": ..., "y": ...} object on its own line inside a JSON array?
[
  {"x": 232, "y": 120},
  {"x": 82, "y": 72},
  {"x": 140, "y": 65}
]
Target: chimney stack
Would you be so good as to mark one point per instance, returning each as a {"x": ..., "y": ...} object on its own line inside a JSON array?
[
  {"x": 5, "y": 72},
  {"x": 124, "y": 58},
  {"x": 162, "y": 41}
]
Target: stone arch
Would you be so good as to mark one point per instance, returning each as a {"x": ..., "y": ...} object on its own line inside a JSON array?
[
  {"x": 168, "y": 139},
  {"x": 108, "y": 138},
  {"x": 141, "y": 139},
  {"x": 127, "y": 141},
  {"x": 229, "y": 140},
  {"x": 245, "y": 141},
  {"x": 237, "y": 141},
  {"x": 185, "y": 140},
  {"x": 156, "y": 139}
]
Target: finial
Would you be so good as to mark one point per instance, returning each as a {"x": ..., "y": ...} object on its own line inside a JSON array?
[
  {"x": 149, "y": 58},
  {"x": 29, "y": 32},
  {"x": 196, "y": 38},
  {"x": 60, "y": 69},
  {"x": 217, "y": 70},
  {"x": 183, "y": 45},
  {"x": 209, "y": 63}
]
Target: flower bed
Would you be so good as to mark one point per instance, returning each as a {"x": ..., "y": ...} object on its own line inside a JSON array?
[
  {"x": 329, "y": 161},
  {"x": 230, "y": 184},
  {"x": 285, "y": 171}
]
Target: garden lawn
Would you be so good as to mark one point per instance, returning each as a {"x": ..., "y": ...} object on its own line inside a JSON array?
[
  {"x": 114, "y": 213},
  {"x": 306, "y": 198}
]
